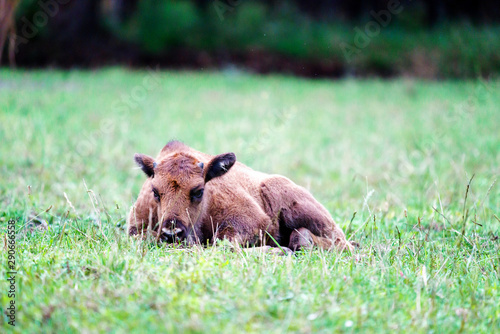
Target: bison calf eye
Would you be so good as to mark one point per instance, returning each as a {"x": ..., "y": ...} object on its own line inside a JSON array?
[
  {"x": 156, "y": 194},
  {"x": 196, "y": 194}
]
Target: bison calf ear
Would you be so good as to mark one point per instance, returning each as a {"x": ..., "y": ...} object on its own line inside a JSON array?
[
  {"x": 219, "y": 165},
  {"x": 146, "y": 163}
]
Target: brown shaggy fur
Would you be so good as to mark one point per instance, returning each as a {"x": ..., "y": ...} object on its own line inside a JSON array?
[{"x": 197, "y": 197}]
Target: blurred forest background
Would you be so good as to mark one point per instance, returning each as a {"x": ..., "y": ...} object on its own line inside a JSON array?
[{"x": 329, "y": 38}]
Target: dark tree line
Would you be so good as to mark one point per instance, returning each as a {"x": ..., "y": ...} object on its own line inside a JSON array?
[
  {"x": 479, "y": 11},
  {"x": 435, "y": 11},
  {"x": 93, "y": 32}
]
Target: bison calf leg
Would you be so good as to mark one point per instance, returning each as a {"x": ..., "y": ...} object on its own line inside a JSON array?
[
  {"x": 299, "y": 214},
  {"x": 144, "y": 214},
  {"x": 303, "y": 238}
]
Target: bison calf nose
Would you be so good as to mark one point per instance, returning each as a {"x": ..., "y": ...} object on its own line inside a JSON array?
[{"x": 173, "y": 230}]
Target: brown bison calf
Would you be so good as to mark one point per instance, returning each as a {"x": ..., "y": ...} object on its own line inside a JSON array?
[{"x": 197, "y": 197}]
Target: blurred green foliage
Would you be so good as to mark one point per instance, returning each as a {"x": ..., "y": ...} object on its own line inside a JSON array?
[
  {"x": 159, "y": 25},
  {"x": 406, "y": 46},
  {"x": 450, "y": 50}
]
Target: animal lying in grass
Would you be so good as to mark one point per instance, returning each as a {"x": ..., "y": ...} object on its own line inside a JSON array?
[{"x": 198, "y": 198}]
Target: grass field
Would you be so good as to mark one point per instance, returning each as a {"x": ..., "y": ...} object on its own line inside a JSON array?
[{"x": 391, "y": 161}]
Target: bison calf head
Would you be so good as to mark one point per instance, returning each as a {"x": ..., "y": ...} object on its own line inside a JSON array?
[{"x": 178, "y": 185}]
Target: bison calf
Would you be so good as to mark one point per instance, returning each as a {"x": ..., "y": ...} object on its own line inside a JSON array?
[{"x": 196, "y": 197}]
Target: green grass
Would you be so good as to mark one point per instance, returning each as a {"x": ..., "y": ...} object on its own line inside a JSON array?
[{"x": 398, "y": 153}]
